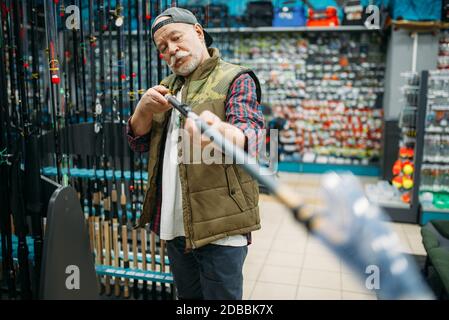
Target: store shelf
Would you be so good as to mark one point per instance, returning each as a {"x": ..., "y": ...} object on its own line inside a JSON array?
[
  {"x": 398, "y": 211},
  {"x": 435, "y": 164},
  {"x": 393, "y": 204},
  {"x": 434, "y": 210},
  {"x": 419, "y": 26},
  {"x": 300, "y": 167},
  {"x": 402, "y": 215},
  {"x": 289, "y": 29},
  {"x": 427, "y": 216}
]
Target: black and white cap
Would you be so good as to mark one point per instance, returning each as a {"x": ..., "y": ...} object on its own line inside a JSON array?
[{"x": 178, "y": 15}]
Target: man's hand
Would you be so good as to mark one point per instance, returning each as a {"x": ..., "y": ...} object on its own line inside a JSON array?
[
  {"x": 152, "y": 101},
  {"x": 230, "y": 132}
]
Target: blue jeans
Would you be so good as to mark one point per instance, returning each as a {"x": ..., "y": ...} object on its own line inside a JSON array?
[{"x": 211, "y": 272}]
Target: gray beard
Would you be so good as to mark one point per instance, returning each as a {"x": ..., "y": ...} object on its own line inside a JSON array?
[{"x": 187, "y": 68}]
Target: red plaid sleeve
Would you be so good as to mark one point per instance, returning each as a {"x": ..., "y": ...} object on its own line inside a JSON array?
[
  {"x": 244, "y": 112},
  {"x": 137, "y": 143}
]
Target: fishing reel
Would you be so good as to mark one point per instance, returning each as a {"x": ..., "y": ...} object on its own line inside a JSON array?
[
  {"x": 4, "y": 157},
  {"x": 98, "y": 113},
  {"x": 117, "y": 16}
]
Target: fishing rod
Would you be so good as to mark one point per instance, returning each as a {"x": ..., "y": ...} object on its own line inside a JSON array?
[
  {"x": 102, "y": 119},
  {"x": 113, "y": 103},
  {"x": 89, "y": 190},
  {"x": 17, "y": 196},
  {"x": 66, "y": 101},
  {"x": 53, "y": 62},
  {"x": 351, "y": 227},
  {"x": 131, "y": 186},
  {"x": 76, "y": 70},
  {"x": 159, "y": 9},
  {"x": 174, "y": 3},
  {"x": 8, "y": 271},
  {"x": 148, "y": 54},
  {"x": 119, "y": 22},
  {"x": 92, "y": 182},
  {"x": 154, "y": 10},
  {"x": 12, "y": 64},
  {"x": 143, "y": 248},
  {"x": 32, "y": 162},
  {"x": 147, "y": 8},
  {"x": 82, "y": 46},
  {"x": 26, "y": 58},
  {"x": 35, "y": 76},
  {"x": 97, "y": 109},
  {"x": 75, "y": 46},
  {"x": 159, "y": 57},
  {"x": 140, "y": 92}
]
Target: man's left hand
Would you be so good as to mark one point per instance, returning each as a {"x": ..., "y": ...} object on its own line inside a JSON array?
[{"x": 230, "y": 132}]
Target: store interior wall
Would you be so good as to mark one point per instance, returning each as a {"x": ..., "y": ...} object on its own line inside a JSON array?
[
  {"x": 238, "y": 7},
  {"x": 399, "y": 60}
]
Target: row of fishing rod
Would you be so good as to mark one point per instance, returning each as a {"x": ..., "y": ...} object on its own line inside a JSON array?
[{"x": 73, "y": 70}]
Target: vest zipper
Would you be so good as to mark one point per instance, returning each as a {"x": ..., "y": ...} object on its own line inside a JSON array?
[{"x": 189, "y": 228}]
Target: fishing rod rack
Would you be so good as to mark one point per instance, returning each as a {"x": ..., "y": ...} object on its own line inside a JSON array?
[{"x": 73, "y": 72}]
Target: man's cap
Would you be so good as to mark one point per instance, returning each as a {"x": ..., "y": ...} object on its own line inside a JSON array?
[{"x": 178, "y": 15}]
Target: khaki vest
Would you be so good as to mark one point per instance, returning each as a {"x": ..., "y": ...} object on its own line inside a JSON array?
[{"x": 219, "y": 200}]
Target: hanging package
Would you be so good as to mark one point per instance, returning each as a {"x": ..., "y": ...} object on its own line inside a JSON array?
[
  {"x": 354, "y": 13},
  {"x": 416, "y": 10},
  {"x": 289, "y": 13},
  {"x": 259, "y": 14}
]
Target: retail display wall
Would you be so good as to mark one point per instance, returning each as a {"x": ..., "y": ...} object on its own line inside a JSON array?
[{"x": 322, "y": 90}]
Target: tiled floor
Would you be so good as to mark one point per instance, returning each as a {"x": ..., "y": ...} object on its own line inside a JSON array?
[{"x": 285, "y": 263}]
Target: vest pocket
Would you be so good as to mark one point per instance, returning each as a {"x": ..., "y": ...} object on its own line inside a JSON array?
[{"x": 235, "y": 190}]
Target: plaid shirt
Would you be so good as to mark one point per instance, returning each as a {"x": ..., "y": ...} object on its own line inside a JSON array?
[{"x": 242, "y": 111}]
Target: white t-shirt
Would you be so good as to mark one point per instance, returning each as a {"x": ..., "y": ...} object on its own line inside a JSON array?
[{"x": 172, "y": 223}]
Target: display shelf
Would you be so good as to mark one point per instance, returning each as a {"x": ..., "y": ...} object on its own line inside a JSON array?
[
  {"x": 393, "y": 204},
  {"x": 402, "y": 215},
  {"x": 321, "y": 91},
  {"x": 419, "y": 26},
  {"x": 443, "y": 54},
  {"x": 301, "y": 167},
  {"x": 431, "y": 188},
  {"x": 430, "y": 156},
  {"x": 290, "y": 29},
  {"x": 435, "y": 169},
  {"x": 434, "y": 210},
  {"x": 432, "y": 161},
  {"x": 437, "y": 130},
  {"x": 132, "y": 273},
  {"x": 428, "y": 215},
  {"x": 415, "y": 121}
]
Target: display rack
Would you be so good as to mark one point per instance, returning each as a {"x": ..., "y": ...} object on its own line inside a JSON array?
[
  {"x": 429, "y": 196},
  {"x": 288, "y": 29},
  {"x": 443, "y": 52},
  {"x": 322, "y": 91},
  {"x": 410, "y": 212},
  {"x": 434, "y": 187},
  {"x": 400, "y": 197}
]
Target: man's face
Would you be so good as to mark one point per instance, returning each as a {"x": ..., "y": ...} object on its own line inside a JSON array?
[{"x": 180, "y": 46}]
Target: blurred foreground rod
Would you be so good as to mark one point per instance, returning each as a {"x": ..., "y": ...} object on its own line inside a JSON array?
[{"x": 350, "y": 226}]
